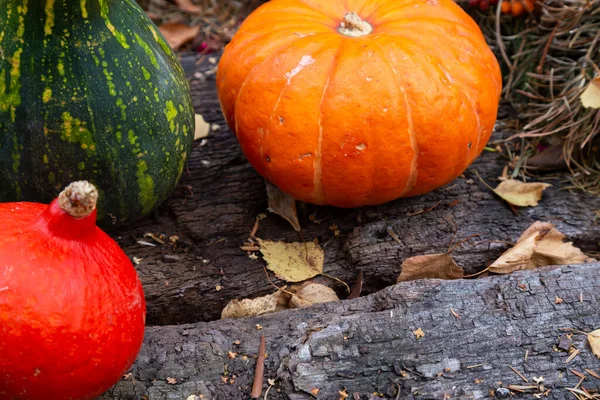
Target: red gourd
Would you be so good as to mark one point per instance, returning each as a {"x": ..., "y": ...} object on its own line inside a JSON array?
[{"x": 72, "y": 308}]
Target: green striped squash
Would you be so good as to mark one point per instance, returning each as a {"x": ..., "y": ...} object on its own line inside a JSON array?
[{"x": 89, "y": 89}]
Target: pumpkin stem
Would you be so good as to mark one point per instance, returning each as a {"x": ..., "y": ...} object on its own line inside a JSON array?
[
  {"x": 353, "y": 26},
  {"x": 78, "y": 199}
]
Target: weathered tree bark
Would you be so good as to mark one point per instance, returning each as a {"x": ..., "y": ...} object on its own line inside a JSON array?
[
  {"x": 368, "y": 345},
  {"x": 215, "y": 205}
]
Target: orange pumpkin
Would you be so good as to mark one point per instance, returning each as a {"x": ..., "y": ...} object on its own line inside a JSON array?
[{"x": 358, "y": 102}]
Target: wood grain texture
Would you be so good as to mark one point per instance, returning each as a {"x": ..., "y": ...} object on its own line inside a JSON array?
[{"x": 367, "y": 345}]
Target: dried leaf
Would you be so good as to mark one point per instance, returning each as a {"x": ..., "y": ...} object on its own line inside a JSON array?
[
  {"x": 419, "y": 333},
  {"x": 251, "y": 307},
  {"x": 552, "y": 250},
  {"x": 540, "y": 245},
  {"x": 594, "y": 339},
  {"x": 437, "y": 266},
  {"x": 590, "y": 98},
  {"x": 283, "y": 205},
  {"x": 171, "y": 381},
  {"x": 517, "y": 258},
  {"x": 202, "y": 128},
  {"x": 293, "y": 262},
  {"x": 520, "y": 193},
  {"x": 550, "y": 159},
  {"x": 178, "y": 34},
  {"x": 187, "y": 5},
  {"x": 312, "y": 293}
]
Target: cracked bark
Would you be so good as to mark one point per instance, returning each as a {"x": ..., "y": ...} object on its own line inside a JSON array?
[
  {"x": 215, "y": 205},
  {"x": 367, "y": 345}
]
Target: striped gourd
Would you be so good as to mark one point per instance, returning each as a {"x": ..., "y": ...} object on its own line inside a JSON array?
[{"x": 89, "y": 89}]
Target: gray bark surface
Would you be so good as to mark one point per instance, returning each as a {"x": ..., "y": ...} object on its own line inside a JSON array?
[{"x": 367, "y": 346}]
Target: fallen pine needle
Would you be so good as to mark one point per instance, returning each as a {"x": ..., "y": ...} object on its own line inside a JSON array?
[
  {"x": 259, "y": 370},
  {"x": 572, "y": 356},
  {"x": 521, "y": 388},
  {"x": 526, "y": 354},
  {"x": 474, "y": 366},
  {"x": 250, "y": 248},
  {"x": 580, "y": 392},
  {"x": 579, "y": 374},
  {"x": 425, "y": 210},
  {"x": 255, "y": 227},
  {"x": 592, "y": 373},
  {"x": 393, "y": 234},
  {"x": 518, "y": 373},
  {"x": 267, "y": 391},
  {"x": 457, "y": 315}
]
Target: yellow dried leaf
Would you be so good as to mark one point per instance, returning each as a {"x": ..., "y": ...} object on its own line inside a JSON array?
[
  {"x": 594, "y": 340},
  {"x": 312, "y": 293},
  {"x": 251, "y": 307},
  {"x": 202, "y": 128},
  {"x": 539, "y": 245},
  {"x": 520, "y": 193},
  {"x": 283, "y": 205},
  {"x": 590, "y": 98},
  {"x": 293, "y": 262},
  {"x": 437, "y": 266}
]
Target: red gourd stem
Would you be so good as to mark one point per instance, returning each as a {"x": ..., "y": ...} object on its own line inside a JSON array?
[
  {"x": 352, "y": 25},
  {"x": 78, "y": 199}
]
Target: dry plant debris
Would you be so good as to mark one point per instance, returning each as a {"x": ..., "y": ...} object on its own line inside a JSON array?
[
  {"x": 293, "y": 262},
  {"x": 259, "y": 369},
  {"x": 540, "y": 245},
  {"x": 550, "y": 58},
  {"x": 312, "y": 293},
  {"x": 419, "y": 333},
  {"x": 357, "y": 287},
  {"x": 297, "y": 296},
  {"x": 438, "y": 266},
  {"x": 520, "y": 193},
  {"x": 187, "y": 5},
  {"x": 594, "y": 340},
  {"x": 202, "y": 128},
  {"x": 260, "y": 305},
  {"x": 590, "y": 98},
  {"x": 283, "y": 205},
  {"x": 178, "y": 34}
]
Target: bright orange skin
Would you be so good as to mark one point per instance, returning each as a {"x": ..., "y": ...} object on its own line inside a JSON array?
[
  {"x": 359, "y": 120},
  {"x": 72, "y": 309}
]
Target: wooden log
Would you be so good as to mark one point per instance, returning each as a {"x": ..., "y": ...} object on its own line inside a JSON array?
[
  {"x": 217, "y": 201},
  {"x": 479, "y": 337}
]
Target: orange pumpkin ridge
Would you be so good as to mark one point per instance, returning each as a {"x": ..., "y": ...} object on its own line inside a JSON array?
[{"x": 359, "y": 102}]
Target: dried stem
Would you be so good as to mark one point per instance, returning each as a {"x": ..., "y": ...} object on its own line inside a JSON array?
[{"x": 259, "y": 370}]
